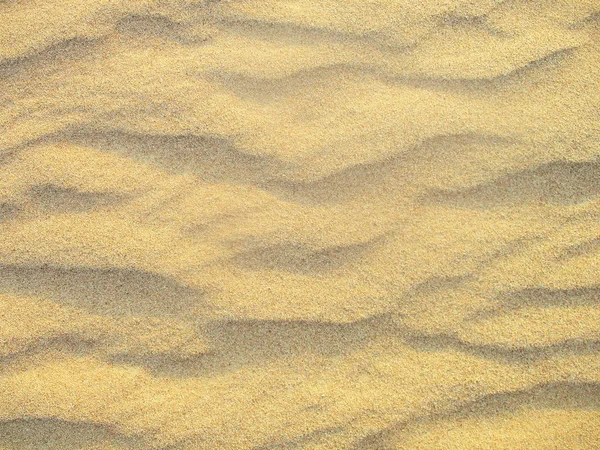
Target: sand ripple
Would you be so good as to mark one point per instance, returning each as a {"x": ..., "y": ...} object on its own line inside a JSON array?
[{"x": 286, "y": 224}]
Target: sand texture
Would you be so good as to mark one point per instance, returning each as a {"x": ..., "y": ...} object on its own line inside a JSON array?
[{"x": 300, "y": 224}]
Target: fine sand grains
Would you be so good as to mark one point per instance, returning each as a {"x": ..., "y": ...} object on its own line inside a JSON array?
[{"x": 294, "y": 224}]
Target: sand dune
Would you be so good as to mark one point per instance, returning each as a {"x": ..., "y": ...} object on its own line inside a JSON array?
[{"x": 285, "y": 224}]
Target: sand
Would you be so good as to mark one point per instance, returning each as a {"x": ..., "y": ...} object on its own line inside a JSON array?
[{"x": 297, "y": 224}]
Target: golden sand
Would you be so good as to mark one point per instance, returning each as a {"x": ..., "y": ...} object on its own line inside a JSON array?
[{"x": 299, "y": 224}]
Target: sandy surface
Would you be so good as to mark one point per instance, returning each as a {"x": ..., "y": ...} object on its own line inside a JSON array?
[{"x": 298, "y": 224}]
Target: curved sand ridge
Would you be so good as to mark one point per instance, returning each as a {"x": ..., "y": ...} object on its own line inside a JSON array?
[{"x": 285, "y": 224}]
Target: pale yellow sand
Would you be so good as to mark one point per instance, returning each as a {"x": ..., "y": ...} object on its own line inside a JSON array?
[{"x": 294, "y": 224}]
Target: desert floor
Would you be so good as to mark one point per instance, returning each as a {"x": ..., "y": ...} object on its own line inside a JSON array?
[{"x": 300, "y": 224}]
